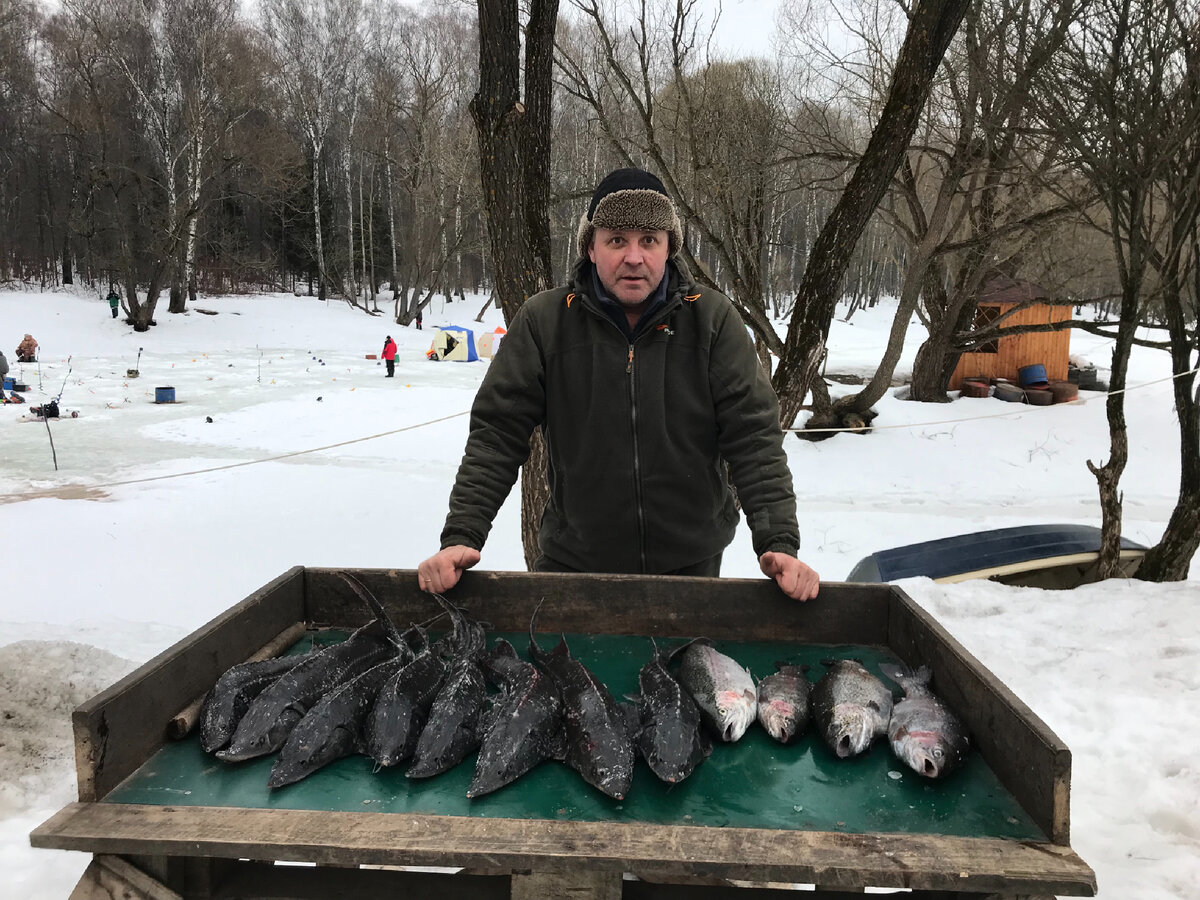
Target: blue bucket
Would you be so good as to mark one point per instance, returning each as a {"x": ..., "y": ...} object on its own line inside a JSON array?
[
  {"x": 164, "y": 395},
  {"x": 1035, "y": 374},
  {"x": 8, "y": 384}
]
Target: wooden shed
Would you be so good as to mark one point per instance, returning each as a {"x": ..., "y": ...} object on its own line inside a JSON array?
[{"x": 1003, "y": 357}]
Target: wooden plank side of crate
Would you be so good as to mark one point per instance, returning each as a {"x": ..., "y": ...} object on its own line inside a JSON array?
[
  {"x": 1029, "y": 759},
  {"x": 118, "y": 729},
  {"x": 719, "y": 608},
  {"x": 832, "y": 860}
]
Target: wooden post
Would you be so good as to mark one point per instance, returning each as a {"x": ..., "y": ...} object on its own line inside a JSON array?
[{"x": 567, "y": 885}]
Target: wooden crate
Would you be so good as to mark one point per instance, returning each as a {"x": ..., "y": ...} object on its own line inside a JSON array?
[{"x": 220, "y": 852}]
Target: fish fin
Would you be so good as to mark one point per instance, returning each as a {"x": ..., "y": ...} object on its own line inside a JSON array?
[
  {"x": 706, "y": 744},
  {"x": 373, "y": 604},
  {"x": 923, "y": 675},
  {"x": 898, "y": 674},
  {"x": 671, "y": 654},
  {"x": 534, "y": 649}
]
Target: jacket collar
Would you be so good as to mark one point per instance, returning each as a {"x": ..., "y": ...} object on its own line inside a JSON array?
[{"x": 678, "y": 280}]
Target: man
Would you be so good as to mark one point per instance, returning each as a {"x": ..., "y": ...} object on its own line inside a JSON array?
[
  {"x": 645, "y": 385},
  {"x": 389, "y": 356},
  {"x": 113, "y": 301},
  {"x": 27, "y": 349},
  {"x": 3, "y": 373}
]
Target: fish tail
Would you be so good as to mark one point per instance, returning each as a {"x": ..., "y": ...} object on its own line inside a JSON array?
[{"x": 376, "y": 608}]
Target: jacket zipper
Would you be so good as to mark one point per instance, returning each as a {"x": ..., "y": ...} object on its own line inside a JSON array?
[{"x": 637, "y": 462}]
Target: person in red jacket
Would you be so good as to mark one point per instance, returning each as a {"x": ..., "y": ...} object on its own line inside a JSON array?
[{"x": 389, "y": 354}]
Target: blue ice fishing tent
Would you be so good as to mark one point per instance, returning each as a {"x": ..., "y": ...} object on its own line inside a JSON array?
[{"x": 453, "y": 342}]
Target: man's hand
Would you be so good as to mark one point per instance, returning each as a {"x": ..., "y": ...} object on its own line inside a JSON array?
[
  {"x": 797, "y": 580},
  {"x": 441, "y": 571}
]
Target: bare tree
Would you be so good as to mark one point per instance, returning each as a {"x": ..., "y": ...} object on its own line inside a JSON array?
[
  {"x": 514, "y": 165},
  {"x": 313, "y": 44},
  {"x": 1124, "y": 97},
  {"x": 710, "y": 129},
  {"x": 931, "y": 27}
]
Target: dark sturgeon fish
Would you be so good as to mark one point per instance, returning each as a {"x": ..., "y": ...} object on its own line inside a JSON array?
[
  {"x": 522, "y": 725},
  {"x": 670, "y": 736},
  {"x": 232, "y": 695},
  {"x": 277, "y": 710},
  {"x": 722, "y": 689},
  {"x": 850, "y": 706},
  {"x": 783, "y": 703},
  {"x": 333, "y": 728},
  {"x": 453, "y": 728},
  {"x": 598, "y": 744},
  {"x": 402, "y": 704},
  {"x": 922, "y": 731}
]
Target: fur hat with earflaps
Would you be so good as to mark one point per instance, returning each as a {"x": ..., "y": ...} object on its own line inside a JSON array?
[{"x": 630, "y": 199}]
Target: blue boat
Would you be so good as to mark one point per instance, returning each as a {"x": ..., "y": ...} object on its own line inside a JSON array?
[{"x": 1046, "y": 556}]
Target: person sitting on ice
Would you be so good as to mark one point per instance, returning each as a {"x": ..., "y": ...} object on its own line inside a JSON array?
[{"x": 27, "y": 349}]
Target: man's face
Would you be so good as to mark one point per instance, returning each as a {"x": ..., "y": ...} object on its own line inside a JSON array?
[{"x": 630, "y": 263}]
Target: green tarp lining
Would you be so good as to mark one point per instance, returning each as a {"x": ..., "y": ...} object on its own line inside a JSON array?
[{"x": 754, "y": 783}]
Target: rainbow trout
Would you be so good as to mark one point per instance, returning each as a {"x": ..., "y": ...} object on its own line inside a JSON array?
[
  {"x": 722, "y": 689},
  {"x": 923, "y": 732},
  {"x": 850, "y": 706},
  {"x": 783, "y": 703}
]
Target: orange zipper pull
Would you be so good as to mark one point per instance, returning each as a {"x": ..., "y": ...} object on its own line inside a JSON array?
[{"x": 629, "y": 367}]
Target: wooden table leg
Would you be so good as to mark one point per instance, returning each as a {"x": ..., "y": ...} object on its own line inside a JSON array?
[
  {"x": 572, "y": 885},
  {"x": 112, "y": 878}
]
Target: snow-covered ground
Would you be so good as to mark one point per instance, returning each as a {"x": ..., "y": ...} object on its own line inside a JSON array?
[{"x": 158, "y": 519}]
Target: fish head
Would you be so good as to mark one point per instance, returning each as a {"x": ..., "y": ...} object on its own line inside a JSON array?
[
  {"x": 779, "y": 718},
  {"x": 669, "y": 749},
  {"x": 851, "y": 730},
  {"x": 613, "y": 780},
  {"x": 608, "y": 769},
  {"x": 930, "y": 753},
  {"x": 735, "y": 712}
]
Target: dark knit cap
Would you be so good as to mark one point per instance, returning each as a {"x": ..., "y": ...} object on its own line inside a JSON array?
[{"x": 630, "y": 199}]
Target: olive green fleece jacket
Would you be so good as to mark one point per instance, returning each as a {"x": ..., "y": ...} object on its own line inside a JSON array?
[{"x": 636, "y": 433}]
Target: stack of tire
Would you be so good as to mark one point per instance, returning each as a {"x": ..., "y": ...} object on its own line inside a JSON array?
[
  {"x": 1041, "y": 392},
  {"x": 1033, "y": 389}
]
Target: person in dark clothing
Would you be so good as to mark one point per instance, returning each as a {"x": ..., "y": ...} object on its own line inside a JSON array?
[
  {"x": 418, "y": 320},
  {"x": 113, "y": 301},
  {"x": 389, "y": 356},
  {"x": 646, "y": 386},
  {"x": 3, "y": 373}
]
